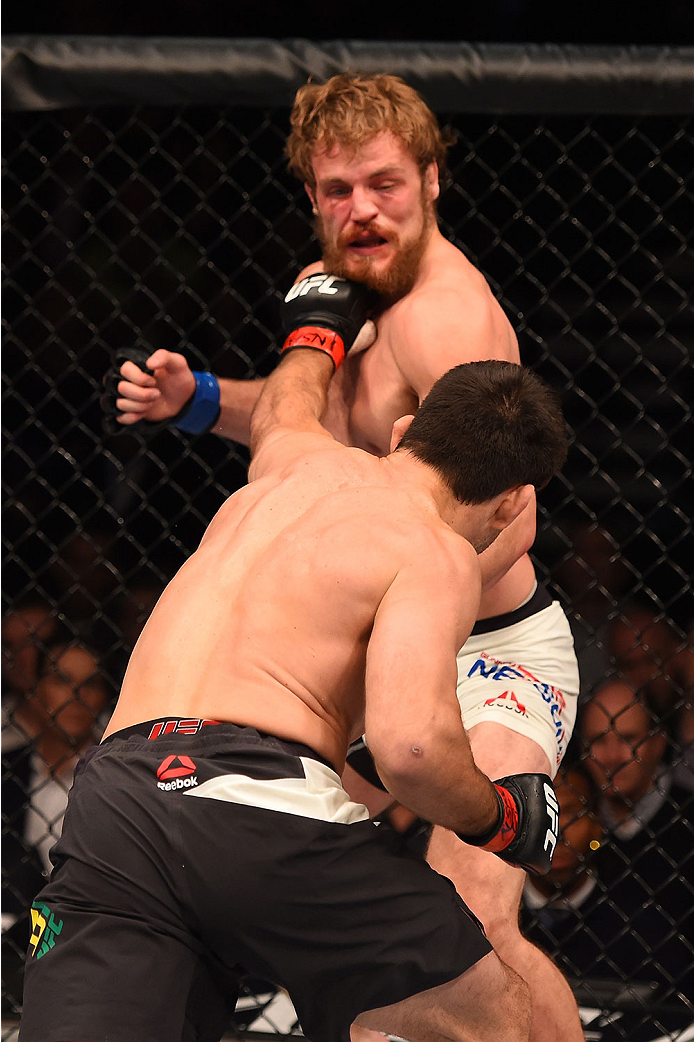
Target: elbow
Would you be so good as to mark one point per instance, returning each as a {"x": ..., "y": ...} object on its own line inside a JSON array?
[{"x": 402, "y": 762}]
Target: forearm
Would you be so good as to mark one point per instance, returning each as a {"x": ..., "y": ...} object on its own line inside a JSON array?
[
  {"x": 294, "y": 396},
  {"x": 439, "y": 781},
  {"x": 516, "y": 817},
  {"x": 322, "y": 316},
  {"x": 237, "y": 399}
]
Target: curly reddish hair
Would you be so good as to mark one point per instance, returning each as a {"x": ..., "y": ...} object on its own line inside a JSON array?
[{"x": 349, "y": 109}]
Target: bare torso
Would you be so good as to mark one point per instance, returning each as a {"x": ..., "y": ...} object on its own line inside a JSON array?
[
  {"x": 267, "y": 623},
  {"x": 375, "y": 387}
]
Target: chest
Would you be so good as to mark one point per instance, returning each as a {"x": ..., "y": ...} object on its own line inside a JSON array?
[{"x": 367, "y": 395}]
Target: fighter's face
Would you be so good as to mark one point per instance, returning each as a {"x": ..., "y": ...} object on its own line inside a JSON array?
[
  {"x": 375, "y": 213},
  {"x": 69, "y": 695},
  {"x": 623, "y": 752}
]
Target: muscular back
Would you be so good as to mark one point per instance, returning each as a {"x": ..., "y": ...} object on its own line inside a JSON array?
[{"x": 267, "y": 624}]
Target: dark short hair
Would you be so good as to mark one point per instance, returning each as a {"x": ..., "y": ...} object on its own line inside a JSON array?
[{"x": 487, "y": 427}]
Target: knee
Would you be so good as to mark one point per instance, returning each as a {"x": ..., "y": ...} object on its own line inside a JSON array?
[
  {"x": 515, "y": 1007},
  {"x": 501, "y": 924},
  {"x": 515, "y": 950}
]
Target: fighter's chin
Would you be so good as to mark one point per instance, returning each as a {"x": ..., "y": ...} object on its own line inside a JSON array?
[{"x": 358, "y": 269}]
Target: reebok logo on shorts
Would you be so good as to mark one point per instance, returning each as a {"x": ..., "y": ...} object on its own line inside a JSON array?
[
  {"x": 509, "y": 701},
  {"x": 176, "y": 772}
]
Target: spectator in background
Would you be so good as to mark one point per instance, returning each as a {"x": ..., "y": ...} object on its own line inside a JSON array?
[
  {"x": 61, "y": 716},
  {"x": 647, "y": 861},
  {"x": 27, "y": 628},
  {"x": 597, "y": 933},
  {"x": 645, "y": 649},
  {"x": 658, "y": 664}
]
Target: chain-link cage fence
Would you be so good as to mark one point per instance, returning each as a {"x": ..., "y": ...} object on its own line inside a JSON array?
[{"x": 177, "y": 225}]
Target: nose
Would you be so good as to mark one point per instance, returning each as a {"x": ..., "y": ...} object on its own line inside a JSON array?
[
  {"x": 611, "y": 752},
  {"x": 364, "y": 207}
]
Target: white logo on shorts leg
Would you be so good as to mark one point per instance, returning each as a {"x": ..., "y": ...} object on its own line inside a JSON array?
[{"x": 507, "y": 700}]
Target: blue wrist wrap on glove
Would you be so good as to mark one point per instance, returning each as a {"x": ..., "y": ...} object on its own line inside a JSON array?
[{"x": 202, "y": 412}]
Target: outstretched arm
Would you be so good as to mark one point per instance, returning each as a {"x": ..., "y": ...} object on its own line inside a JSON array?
[
  {"x": 286, "y": 420},
  {"x": 323, "y": 315},
  {"x": 170, "y": 387},
  {"x": 162, "y": 389}
]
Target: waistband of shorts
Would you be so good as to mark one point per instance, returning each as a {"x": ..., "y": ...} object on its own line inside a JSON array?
[
  {"x": 183, "y": 726},
  {"x": 538, "y": 602}
]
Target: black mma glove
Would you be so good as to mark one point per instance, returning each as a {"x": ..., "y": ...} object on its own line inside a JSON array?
[
  {"x": 199, "y": 414},
  {"x": 527, "y": 830},
  {"x": 325, "y": 312}
]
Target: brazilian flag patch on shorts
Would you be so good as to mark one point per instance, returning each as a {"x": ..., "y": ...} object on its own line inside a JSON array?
[{"x": 44, "y": 929}]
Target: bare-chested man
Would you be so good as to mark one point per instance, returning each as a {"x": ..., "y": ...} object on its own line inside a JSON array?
[
  {"x": 370, "y": 153},
  {"x": 210, "y": 830}
]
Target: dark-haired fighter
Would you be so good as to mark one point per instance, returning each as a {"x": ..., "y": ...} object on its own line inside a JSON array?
[
  {"x": 210, "y": 831},
  {"x": 370, "y": 154}
]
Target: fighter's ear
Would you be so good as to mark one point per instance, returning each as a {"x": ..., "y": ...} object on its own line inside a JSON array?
[
  {"x": 311, "y": 193},
  {"x": 511, "y": 504},
  {"x": 399, "y": 428},
  {"x": 432, "y": 185}
]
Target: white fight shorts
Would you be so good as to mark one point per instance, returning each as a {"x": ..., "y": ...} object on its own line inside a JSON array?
[{"x": 520, "y": 670}]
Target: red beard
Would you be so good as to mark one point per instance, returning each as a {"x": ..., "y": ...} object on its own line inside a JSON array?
[{"x": 391, "y": 283}]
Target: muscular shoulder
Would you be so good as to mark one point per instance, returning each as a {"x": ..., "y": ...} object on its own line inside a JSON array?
[
  {"x": 311, "y": 269},
  {"x": 437, "y": 564},
  {"x": 450, "y": 318}
]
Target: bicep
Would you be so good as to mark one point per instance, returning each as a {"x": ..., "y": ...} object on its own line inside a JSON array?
[{"x": 432, "y": 338}]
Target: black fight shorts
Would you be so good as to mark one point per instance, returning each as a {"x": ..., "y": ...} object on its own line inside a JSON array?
[{"x": 205, "y": 852}]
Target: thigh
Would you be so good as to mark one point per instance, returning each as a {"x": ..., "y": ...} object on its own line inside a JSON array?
[
  {"x": 499, "y": 750},
  {"x": 488, "y": 1003},
  {"x": 335, "y": 913},
  {"x": 111, "y": 956},
  {"x": 118, "y": 977},
  {"x": 525, "y": 678}
]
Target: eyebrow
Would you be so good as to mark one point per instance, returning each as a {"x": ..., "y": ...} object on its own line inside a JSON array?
[{"x": 389, "y": 171}]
